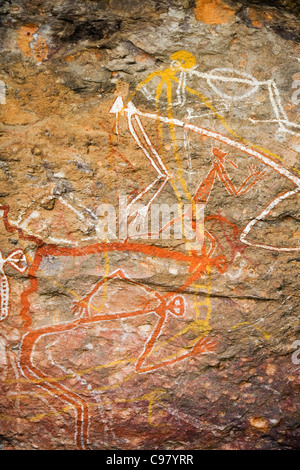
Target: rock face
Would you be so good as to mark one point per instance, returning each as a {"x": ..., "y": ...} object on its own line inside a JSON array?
[{"x": 149, "y": 213}]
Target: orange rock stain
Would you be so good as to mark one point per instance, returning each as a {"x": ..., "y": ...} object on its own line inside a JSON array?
[
  {"x": 25, "y": 37},
  {"x": 37, "y": 49},
  {"x": 213, "y": 11}
]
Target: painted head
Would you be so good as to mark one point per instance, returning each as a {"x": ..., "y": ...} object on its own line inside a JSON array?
[
  {"x": 183, "y": 60},
  {"x": 219, "y": 153}
]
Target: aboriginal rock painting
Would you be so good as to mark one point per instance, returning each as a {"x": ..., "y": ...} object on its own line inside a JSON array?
[{"x": 114, "y": 291}]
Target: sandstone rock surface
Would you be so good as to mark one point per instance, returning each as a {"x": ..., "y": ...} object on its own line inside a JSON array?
[{"x": 116, "y": 336}]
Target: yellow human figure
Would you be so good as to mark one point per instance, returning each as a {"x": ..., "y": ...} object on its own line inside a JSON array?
[{"x": 181, "y": 62}]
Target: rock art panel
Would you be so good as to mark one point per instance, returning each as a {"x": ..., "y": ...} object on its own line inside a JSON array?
[{"x": 149, "y": 239}]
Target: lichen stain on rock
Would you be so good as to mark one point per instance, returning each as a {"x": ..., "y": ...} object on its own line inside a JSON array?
[
  {"x": 40, "y": 49},
  {"x": 25, "y": 37},
  {"x": 213, "y": 11},
  {"x": 31, "y": 44}
]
